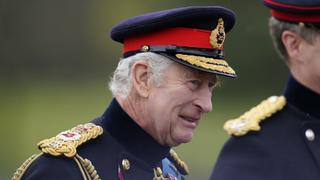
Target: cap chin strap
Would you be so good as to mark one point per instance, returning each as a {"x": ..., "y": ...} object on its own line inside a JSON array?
[{"x": 212, "y": 53}]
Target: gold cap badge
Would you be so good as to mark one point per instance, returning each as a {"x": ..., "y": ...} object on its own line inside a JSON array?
[{"x": 218, "y": 35}]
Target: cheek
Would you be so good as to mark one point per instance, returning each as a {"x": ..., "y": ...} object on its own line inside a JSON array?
[
  {"x": 315, "y": 64},
  {"x": 166, "y": 103},
  {"x": 169, "y": 98}
]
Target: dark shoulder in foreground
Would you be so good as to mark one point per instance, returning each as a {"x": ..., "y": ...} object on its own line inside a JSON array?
[{"x": 278, "y": 148}]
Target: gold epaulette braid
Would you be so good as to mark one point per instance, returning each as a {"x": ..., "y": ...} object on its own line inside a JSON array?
[
  {"x": 66, "y": 143},
  {"x": 87, "y": 167},
  {"x": 21, "y": 170},
  {"x": 250, "y": 120},
  {"x": 181, "y": 165}
]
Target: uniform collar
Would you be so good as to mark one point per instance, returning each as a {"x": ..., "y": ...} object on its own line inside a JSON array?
[
  {"x": 131, "y": 136},
  {"x": 303, "y": 98}
]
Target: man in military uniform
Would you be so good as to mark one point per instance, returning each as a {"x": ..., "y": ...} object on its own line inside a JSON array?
[
  {"x": 280, "y": 138},
  {"x": 162, "y": 87}
]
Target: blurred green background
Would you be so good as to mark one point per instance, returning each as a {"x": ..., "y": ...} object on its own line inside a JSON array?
[{"x": 56, "y": 59}]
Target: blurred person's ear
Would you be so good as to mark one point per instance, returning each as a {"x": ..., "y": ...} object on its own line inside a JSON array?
[{"x": 293, "y": 43}]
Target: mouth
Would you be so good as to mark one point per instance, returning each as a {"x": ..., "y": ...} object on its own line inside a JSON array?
[{"x": 189, "y": 121}]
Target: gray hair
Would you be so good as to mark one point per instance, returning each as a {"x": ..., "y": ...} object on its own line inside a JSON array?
[
  {"x": 121, "y": 81},
  {"x": 278, "y": 27}
]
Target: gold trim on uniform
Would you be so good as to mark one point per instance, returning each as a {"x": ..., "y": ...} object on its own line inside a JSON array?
[
  {"x": 158, "y": 174},
  {"x": 66, "y": 142},
  {"x": 218, "y": 65},
  {"x": 84, "y": 172},
  {"x": 89, "y": 169},
  {"x": 21, "y": 170},
  {"x": 250, "y": 120},
  {"x": 181, "y": 165}
]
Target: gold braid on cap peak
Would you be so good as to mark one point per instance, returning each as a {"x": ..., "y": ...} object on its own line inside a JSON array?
[
  {"x": 181, "y": 165},
  {"x": 250, "y": 120},
  {"x": 66, "y": 142},
  {"x": 207, "y": 63}
]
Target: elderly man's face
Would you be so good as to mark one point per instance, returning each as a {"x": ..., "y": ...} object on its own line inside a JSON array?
[
  {"x": 177, "y": 105},
  {"x": 312, "y": 52}
]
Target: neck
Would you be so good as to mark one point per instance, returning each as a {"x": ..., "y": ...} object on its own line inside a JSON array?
[
  {"x": 306, "y": 78},
  {"x": 303, "y": 97},
  {"x": 134, "y": 108}
]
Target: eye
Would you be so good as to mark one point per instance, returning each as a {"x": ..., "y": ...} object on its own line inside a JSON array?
[
  {"x": 194, "y": 84},
  {"x": 212, "y": 85}
]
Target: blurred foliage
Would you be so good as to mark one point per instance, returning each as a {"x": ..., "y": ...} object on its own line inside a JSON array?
[{"x": 56, "y": 58}]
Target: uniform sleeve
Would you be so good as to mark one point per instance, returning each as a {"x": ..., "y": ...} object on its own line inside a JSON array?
[
  {"x": 53, "y": 168},
  {"x": 243, "y": 158}
]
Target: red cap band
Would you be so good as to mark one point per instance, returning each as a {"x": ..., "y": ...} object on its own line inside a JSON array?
[
  {"x": 309, "y": 18},
  {"x": 187, "y": 37}
]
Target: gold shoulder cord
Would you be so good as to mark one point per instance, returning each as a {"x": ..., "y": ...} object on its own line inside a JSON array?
[
  {"x": 22, "y": 169},
  {"x": 250, "y": 120},
  {"x": 87, "y": 168},
  {"x": 178, "y": 162}
]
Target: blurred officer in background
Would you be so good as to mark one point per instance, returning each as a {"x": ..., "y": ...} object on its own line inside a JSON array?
[
  {"x": 286, "y": 144},
  {"x": 161, "y": 89}
]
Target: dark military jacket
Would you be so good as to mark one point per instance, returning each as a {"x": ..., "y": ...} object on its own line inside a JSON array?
[
  {"x": 286, "y": 148},
  {"x": 111, "y": 147}
]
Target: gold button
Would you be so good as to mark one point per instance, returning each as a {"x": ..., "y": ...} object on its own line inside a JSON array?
[
  {"x": 126, "y": 164},
  {"x": 301, "y": 24},
  {"x": 145, "y": 48}
]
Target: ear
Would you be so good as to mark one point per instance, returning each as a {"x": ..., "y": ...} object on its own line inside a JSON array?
[
  {"x": 293, "y": 44},
  {"x": 140, "y": 78}
]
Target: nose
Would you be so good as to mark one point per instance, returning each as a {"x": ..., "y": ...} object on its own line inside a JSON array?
[{"x": 203, "y": 101}]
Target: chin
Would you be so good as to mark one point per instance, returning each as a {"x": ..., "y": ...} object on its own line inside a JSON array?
[
  {"x": 186, "y": 138},
  {"x": 181, "y": 138}
]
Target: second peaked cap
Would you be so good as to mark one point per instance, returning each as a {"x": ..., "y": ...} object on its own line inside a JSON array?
[{"x": 296, "y": 11}]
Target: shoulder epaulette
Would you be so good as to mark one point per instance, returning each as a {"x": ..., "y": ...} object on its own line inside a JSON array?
[
  {"x": 180, "y": 165},
  {"x": 66, "y": 142},
  {"x": 250, "y": 120}
]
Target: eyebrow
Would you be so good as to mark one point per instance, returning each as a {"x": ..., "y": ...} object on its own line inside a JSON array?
[{"x": 192, "y": 73}]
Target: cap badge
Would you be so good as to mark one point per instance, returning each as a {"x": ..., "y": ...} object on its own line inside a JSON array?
[{"x": 218, "y": 35}]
